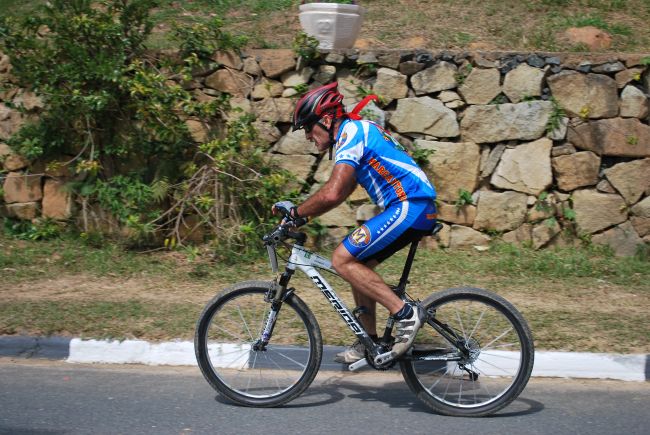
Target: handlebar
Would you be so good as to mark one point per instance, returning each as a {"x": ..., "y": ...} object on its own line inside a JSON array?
[{"x": 282, "y": 232}]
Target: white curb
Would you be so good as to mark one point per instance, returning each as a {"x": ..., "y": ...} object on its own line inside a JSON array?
[
  {"x": 181, "y": 353},
  {"x": 590, "y": 365},
  {"x": 175, "y": 353}
]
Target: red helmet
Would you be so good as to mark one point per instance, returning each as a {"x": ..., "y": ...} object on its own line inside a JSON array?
[{"x": 317, "y": 103}]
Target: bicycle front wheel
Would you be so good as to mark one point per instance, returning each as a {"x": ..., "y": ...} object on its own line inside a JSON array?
[
  {"x": 225, "y": 338},
  {"x": 483, "y": 368}
]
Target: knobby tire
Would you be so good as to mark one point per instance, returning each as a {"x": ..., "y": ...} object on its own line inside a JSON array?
[
  {"x": 229, "y": 326},
  {"x": 502, "y": 354}
]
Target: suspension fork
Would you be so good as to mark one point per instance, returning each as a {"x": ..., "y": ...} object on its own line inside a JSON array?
[{"x": 276, "y": 296}]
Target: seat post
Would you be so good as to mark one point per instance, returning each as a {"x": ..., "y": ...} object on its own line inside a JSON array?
[{"x": 407, "y": 266}]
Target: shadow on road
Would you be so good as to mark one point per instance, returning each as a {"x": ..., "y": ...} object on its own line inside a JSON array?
[
  {"x": 395, "y": 394},
  {"x": 529, "y": 407},
  {"x": 314, "y": 396}
]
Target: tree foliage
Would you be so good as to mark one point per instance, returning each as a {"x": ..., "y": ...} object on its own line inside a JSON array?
[
  {"x": 117, "y": 113},
  {"x": 108, "y": 103}
]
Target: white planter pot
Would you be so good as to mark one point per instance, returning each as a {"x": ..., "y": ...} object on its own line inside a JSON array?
[{"x": 334, "y": 25}]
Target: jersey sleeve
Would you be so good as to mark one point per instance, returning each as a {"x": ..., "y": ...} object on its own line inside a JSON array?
[{"x": 350, "y": 146}]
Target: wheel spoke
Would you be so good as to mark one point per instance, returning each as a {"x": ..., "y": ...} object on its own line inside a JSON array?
[
  {"x": 269, "y": 373},
  {"x": 500, "y": 346},
  {"x": 439, "y": 379},
  {"x": 244, "y": 322},
  {"x": 502, "y": 354},
  {"x": 460, "y": 324},
  {"x": 484, "y": 385},
  {"x": 275, "y": 379},
  {"x": 478, "y": 322},
  {"x": 498, "y": 338},
  {"x": 237, "y": 359},
  {"x": 225, "y": 330},
  {"x": 451, "y": 378},
  {"x": 491, "y": 370},
  {"x": 495, "y": 366}
]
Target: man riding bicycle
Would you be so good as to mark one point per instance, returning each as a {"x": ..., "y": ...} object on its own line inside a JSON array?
[{"x": 366, "y": 154}]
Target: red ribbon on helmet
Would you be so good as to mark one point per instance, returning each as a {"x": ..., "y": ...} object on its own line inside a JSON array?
[{"x": 354, "y": 115}]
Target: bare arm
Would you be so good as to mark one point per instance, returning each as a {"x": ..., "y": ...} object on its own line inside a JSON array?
[{"x": 339, "y": 186}]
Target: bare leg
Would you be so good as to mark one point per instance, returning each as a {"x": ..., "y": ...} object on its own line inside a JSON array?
[
  {"x": 368, "y": 320},
  {"x": 368, "y": 287}
]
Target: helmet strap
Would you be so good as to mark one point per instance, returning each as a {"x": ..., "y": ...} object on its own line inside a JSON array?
[
  {"x": 332, "y": 139},
  {"x": 331, "y": 132}
]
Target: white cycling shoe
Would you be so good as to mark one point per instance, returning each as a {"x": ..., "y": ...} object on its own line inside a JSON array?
[
  {"x": 351, "y": 354},
  {"x": 406, "y": 330}
]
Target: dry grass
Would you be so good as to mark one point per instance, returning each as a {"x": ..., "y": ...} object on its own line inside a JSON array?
[
  {"x": 486, "y": 24},
  {"x": 434, "y": 25},
  {"x": 573, "y": 300}
]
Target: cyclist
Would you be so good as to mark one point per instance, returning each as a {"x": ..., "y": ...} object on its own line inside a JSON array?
[{"x": 366, "y": 154}]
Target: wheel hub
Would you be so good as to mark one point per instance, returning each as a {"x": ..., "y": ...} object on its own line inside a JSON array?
[
  {"x": 259, "y": 346},
  {"x": 473, "y": 350}
]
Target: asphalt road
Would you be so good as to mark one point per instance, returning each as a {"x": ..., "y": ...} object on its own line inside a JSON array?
[{"x": 44, "y": 397}]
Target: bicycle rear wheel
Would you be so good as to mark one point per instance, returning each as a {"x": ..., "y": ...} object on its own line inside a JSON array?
[
  {"x": 492, "y": 366},
  {"x": 227, "y": 331}
]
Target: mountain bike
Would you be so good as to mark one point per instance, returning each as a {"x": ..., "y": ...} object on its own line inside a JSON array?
[{"x": 258, "y": 344}]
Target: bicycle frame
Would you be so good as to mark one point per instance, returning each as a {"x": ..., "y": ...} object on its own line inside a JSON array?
[{"x": 307, "y": 261}]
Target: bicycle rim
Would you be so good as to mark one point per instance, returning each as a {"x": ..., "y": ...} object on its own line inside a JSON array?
[
  {"x": 233, "y": 328},
  {"x": 494, "y": 370}
]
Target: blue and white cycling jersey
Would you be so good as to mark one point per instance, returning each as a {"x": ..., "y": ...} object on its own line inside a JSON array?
[{"x": 388, "y": 174}]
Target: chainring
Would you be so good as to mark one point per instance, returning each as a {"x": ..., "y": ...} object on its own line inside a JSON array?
[{"x": 371, "y": 363}]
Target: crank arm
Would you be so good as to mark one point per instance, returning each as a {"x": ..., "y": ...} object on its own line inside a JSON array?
[{"x": 357, "y": 365}]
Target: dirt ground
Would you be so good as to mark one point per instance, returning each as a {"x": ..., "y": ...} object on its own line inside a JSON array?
[
  {"x": 603, "y": 318},
  {"x": 606, "y": 298}
]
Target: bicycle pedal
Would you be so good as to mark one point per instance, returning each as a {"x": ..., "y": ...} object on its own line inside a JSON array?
[
  {"x": 384, "y": 358},
  {"x": 357, "y": 365}
]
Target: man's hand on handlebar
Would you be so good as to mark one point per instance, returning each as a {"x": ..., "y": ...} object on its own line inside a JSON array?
[
  {"x": 290, "y": 221},
  {"x": 289, "y": 212}
]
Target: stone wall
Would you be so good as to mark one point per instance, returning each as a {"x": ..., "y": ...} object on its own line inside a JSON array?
[{"x": 492, "y": 121}]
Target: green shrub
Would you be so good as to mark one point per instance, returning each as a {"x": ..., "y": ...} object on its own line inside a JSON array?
[
  {"x": 124, "y": 196},
  {"x": 203, "y": 39},
  {"x": 108, "y": 102},
  {"x": 464, "y": 198},
  {"x": 420, "y": 155},
  {"x": 119, "y": 114},
  {"x": 555, "y": 119},
  {"x": 42, "y": 229},
  {"x": 230, "y": 189},
  {"x": 306, "y": 46}
]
